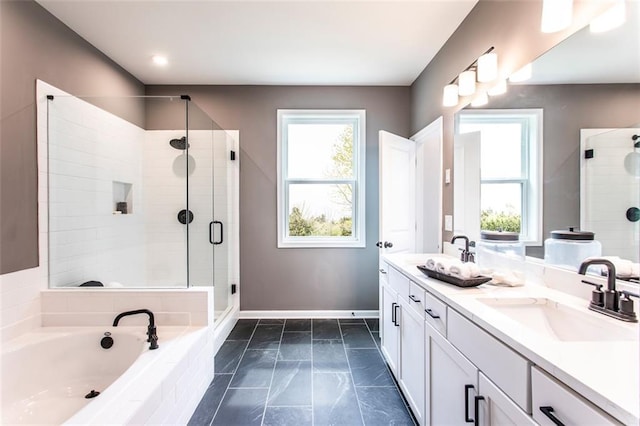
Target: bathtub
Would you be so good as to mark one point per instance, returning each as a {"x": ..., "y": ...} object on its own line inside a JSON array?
[{"x": 46, "y": 375}]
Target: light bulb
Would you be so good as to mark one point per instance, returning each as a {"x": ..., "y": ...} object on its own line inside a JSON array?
[
  {"x": 556, "y": 15},
  {"x": 467, "y": 83},
  {"x": 480, "y": 100},
  {"x": 499, "y": 89},
  {"x": 522, "y": 74},
  {"x": 487, "y": 67},
  {"x": 450, "y": 95},
  {"x": 612, "y": 18}
]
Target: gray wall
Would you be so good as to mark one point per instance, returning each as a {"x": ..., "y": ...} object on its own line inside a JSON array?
[
  {"x": 567, "y": 109},
  {"x": 513, "y": 28},
  {"x": 314, "y": 279},
  {"x": 35, "y": 45}
]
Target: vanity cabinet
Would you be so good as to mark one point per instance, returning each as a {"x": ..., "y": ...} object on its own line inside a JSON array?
[
  {"x": 451, "y": 382},
  {"x": 496, "y": 408},
  {"x": 402, "y": 325},
  {"x": 552, "y": 400}
]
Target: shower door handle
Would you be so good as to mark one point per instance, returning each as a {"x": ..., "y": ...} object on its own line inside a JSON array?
[{"x": 215, "y": 222}]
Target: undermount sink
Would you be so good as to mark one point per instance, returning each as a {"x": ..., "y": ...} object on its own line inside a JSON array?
[{"x": 559, "y": 321}]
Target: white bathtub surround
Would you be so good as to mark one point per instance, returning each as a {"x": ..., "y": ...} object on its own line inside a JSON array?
[
  {"x": 136, "y": 385},
  {"x": 20, "y": 301},
  {"x": 95, "y": 307}
]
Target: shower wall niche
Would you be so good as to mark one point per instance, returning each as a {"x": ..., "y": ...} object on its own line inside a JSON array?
[{"x": 115, "y": 190}]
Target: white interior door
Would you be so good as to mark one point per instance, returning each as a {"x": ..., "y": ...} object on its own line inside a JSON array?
[
  {"x": 397, "y": 194},
  {"x": 466, "y": 188},
  {"x": 429, "y": 188}
]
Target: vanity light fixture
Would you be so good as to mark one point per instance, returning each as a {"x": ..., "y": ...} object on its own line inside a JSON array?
[
  {"x": 523, "y": 74},
  {"x": 160, "y": 60},
  {"x": 450, "y": 95},
  {"x": 499, "y": 89},
  {"x": 480, "y": 100},
  {"x": 611, "y": 18},
  {"x": 485, "y": 67},
  {"x": 556, "y": 15},
  {"x": 488, "y": 66},
  {"x": 467, "y": 83}
]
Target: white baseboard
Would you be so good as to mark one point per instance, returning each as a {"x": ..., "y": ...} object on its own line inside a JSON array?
[{"x": 307, "y": 314}]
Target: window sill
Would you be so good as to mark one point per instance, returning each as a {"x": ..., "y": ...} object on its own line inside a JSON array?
[{"x": 321, "y": 244}]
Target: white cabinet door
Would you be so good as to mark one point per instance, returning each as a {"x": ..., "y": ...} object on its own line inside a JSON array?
[
  {"x": 412, "y": 378},
  {"x": 452, "y": 382},
  {"x": 390, "y": 328},
  {"x": 554, "y": 401},
  {"x": 494, "y": 407}
]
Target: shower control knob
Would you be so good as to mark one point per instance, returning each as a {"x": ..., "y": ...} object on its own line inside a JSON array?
[
  {"x": 185, "y": 216},
  {"x": 633, "y": 214}
]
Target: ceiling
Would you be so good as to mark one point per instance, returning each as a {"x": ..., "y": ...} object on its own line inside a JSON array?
[{"x": 294, "y": 42}]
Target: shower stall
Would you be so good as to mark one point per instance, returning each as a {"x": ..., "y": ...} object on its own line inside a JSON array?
[
  {"x": 142, "y": 193},
  {"x": 610, "y": 189}
]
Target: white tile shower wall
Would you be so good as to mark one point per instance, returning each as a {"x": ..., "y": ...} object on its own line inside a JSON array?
[
  {"x": 99, "y": 307},
  {"x": 164, "y": 174},
  {"x": 609, "y": 190},
  {"x": 92, "y": 154}
]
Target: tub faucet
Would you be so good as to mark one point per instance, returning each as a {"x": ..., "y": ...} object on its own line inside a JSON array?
[
  {"x": 608, "y": 302},
  {"x": 465, "y": 255},
  {"x": 151, "y": 329}
]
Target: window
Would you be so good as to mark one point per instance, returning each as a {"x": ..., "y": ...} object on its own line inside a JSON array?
[
  {"x": 321, "y": 176},
  {"x": 510, "y": 169}
]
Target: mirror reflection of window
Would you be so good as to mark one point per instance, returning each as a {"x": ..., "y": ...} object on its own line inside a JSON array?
[{"x": 510, "y": 169}]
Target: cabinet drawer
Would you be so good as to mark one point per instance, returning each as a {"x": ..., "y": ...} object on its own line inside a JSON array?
[
  {"x": 435, "y": 313},
  {"x": 504, "y": 367},
  {"x": 568, "y": 407},
  {"x": 383, "y": 272},
  {"x": 496, "y": 408},
  {"x": 399, "y": 282},
  {"x": 416, "y": 298}
]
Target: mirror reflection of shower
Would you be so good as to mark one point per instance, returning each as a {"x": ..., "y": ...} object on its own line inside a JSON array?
[{"x": 632, "y": 159}]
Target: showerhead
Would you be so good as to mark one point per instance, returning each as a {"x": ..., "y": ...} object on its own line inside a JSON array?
[
  {"x": 635, "y": 138},
  {"x": 180, "y": 144}
]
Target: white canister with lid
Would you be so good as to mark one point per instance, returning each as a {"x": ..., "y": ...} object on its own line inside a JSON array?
[
  {"x": 569, "y": 248},
  {"x": 501, "y": 255}
]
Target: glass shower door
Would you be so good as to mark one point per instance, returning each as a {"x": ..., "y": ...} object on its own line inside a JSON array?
[{"x": 211, "y": 233}]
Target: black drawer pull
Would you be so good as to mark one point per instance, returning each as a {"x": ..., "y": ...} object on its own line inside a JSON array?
[
  {"x": 412, "y": 297},
  {"x": 466, "y": 403},
  {"x": 548, "y": 411},
  {"x": 476, "y": 409},
  {"x": 382, "y": 271},
  {"x": 397, "y": 323},
  {"x": 393, "y": 313},
  {"x": 431, "y": 314}
]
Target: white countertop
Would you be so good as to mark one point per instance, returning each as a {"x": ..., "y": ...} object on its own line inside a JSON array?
[{"x": 607, "y": 373}]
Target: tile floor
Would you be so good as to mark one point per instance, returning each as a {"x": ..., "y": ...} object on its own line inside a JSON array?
[{"x": 302, "y": 372}]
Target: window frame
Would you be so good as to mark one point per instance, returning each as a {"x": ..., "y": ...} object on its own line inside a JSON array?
[
  {"x": 319, "y": 116},
  {"x": 531, "y": 179}
]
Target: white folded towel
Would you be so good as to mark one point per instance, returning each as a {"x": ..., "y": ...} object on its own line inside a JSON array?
[
  {"x": 624, "y": 267},
  {"x": 464, "y": 270},
  {"x": 443, "y": 265},
  {"x": 114, "y": 284},
  {"x": 635, "y": 270},
  {"x": 508, "y": 279},
  {"x": 431, "y": 264}
]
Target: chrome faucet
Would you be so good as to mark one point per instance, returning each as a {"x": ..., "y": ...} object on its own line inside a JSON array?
[
  {"x": 608, "y": 302},
  {"x": 151, "y": 328},
  {"x": 465, "y": 255}
]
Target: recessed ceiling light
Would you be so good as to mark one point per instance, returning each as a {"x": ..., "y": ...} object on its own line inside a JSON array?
[{"x": 160, "y": 60}]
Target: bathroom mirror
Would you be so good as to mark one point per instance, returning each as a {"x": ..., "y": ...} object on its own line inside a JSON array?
[{"x": 588, "y": 81}]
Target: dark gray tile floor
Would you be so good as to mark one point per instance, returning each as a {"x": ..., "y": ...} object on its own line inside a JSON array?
[{"x": 302, "y": 372}]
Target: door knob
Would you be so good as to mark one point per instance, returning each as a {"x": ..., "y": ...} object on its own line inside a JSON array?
[
  {"x": 379, "y": 244},
  {"x": 388, "y": 244}
]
